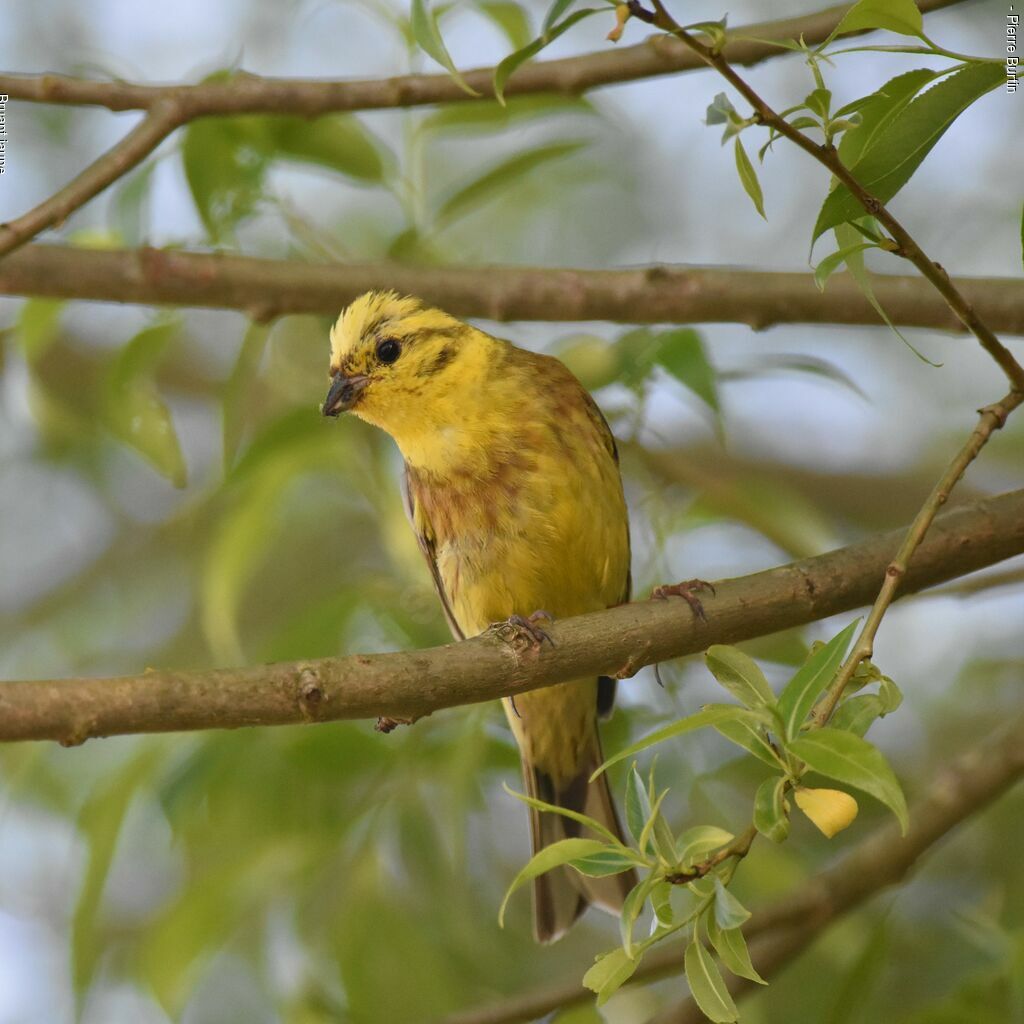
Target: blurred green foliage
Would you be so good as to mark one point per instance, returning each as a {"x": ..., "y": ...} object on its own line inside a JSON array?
[{"x": 171, "y": 496}]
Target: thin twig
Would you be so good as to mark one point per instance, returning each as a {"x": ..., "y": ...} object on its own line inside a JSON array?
[
  {"x": 161, "y": 120},
  {"x": 991, "y": 419},
  {"x": 828, "y": 157}
]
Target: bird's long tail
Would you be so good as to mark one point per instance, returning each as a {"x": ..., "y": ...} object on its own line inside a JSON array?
[{"x": 562, "y": 894}]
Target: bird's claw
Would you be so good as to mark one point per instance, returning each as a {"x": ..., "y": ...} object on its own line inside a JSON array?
[
  {"x": 518, "y": 627},
  {"x": 685, "y": 590},
  {"x": 386, "y": 725}
]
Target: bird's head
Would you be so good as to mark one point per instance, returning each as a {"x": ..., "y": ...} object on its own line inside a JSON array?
[{"x": 395, "y": 361}]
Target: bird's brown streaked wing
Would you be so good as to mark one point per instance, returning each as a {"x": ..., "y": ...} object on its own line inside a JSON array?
[{"x": 426, "y": 542}]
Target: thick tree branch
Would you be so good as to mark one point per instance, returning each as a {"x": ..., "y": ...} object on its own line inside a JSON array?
[
  {"x": 264, "y": 289},
  {"x": 781, "y": 931},
  {"x": 250, "y": 94},
  {"x": 408, "y": 685}
]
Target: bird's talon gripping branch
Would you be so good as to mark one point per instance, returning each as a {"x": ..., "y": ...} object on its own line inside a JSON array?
[
  {"x": 516, "y": 628},
  {"x": 386, "y": 725},
  {"x": 685, "y": 590}
]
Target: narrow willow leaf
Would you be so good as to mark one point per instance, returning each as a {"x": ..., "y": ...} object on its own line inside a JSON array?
[
  {"x": 702, "y": 719},
  {"x": 338, "y": 142},
  {"x": 879, "y": 108},
  {"x": 681, "y": 352},
  {"x": 661, "y": 901},
  {"x": 729, "y": 912},
  {"x": 510, "y": 17},
  {"x": 801, "y": 692},
  {"x": 845, "y": 234},
  {"x": 38, "y": 327},
  {"x": 609, "y": 974},
  {"x": 770, "y": 817},
  {"x": 740, "y": 675},
  {"x": 428, "y": 37},
  {"x": 237, "y": 389},
  {"x": 607, "y": 862},
  {"x": 731, "y": 947},
  {"x": 495, "y": 181},
  {"x": 565, "y": 812},
  {"x": 748, "y": 177},
  {"x": 555, "y": 11},
  {"x": 133, "y": 409},
  {"x": 638, "y": 805},
  {"x": 900, "y": 16},
  {"x": 852, "y": 760},
  {"x": 632, "y": 908},
  {"x": 707, "y": 985},
  {"x": 856, "y": 714},
  {"x": 553, "y": 856},
  {"x": 900, "y": 148},
  {"x": 695, "y": 843},
  {"x": 831, "y": 263},
  {"x": 819, "y": 102},
  {"x": 748, "y": 733},
  {"x": 515, "y": 60}
]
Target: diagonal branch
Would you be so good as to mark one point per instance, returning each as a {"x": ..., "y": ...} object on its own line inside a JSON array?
[
  {"x": 252, "y": 94},
  {"x": 781, "y": 931},
  {"x": 409, "y": 685},
  {"x": 163, "y": 118},
  {"x": 265, "y": 289}
]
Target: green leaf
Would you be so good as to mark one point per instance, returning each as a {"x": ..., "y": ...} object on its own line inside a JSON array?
[
  {"x": 609, "y": 973},
  {"x": 831, "y": 263},
  {"x": 428, "y": 37},
  {"x": 680, "y": 351},
  {"x": 729, "y": 912},
  {"x": 553, "y": 856},
  {"x": 238, "y": 388},
  {"x": 748, "y": 177},
  {"x": 510, "y": 18},
  {"x": 747, "y": 731},
  {"x": 225, "y": 162},
  {"x": 338, "y": 142},
  {"x": 849, "y": 759},
  {"x": 555, "y": 11},
  {"x": 656, "y": 830},
  {"x": 695, "y": 843},
  {"x": 801, "y": 692},
  {"x": 607, "y": 862},
  {"x": 492, "y": 116},
  {"x": 515, "y": 60},
  {"x": 565, "y": 812},
  {"x": 731, "y": 947},
  {"x": 708, "y": 716},
  {"x": 721, "y": 111},
  {"x": 903, "y": 144},
  {"x": 133, "y": 409},
  {"x": 100, "y": 822},
  {"x": 819, "y": 102},
  {"x": 740, "y": 675},
  {"x": 878, "y": 109},
  {"x": 900, "y": 16},
  {"x": 706, "y": 984},
  {"x": 638, "y": 805},
  {"x": 856, "y": 714},
  {"x": 845, "y": 236},
  {"x": 495, "y": 181},
  {"x": 770, "y": 817},
  {"x": 38, "y": 327},
  {"x": 632, "y": 908}
]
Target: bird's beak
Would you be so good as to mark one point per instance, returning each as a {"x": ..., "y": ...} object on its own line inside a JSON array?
[{"x": 343, "y": 393}]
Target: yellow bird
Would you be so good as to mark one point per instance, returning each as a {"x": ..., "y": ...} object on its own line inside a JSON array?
[{"x": 513, "y": 490}]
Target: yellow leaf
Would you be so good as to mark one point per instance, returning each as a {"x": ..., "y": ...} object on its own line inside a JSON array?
[
  {"x": 622, "y": 14},
  {"x": 830, "y": 810}
]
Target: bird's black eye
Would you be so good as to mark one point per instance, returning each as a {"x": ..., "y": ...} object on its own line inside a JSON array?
[{"x": 388, "y": 350}]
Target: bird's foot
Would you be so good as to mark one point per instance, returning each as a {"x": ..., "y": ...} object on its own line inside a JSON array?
[
  {"x": 517, "y": 629},
  {"x": 687, "y": 591},
  {"x": 385, "y": 724}
]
